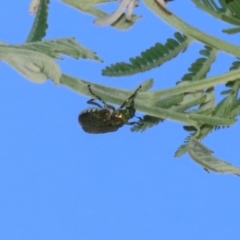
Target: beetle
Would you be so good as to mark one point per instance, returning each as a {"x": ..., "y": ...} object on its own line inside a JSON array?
[{"x": 104, "y": 119}]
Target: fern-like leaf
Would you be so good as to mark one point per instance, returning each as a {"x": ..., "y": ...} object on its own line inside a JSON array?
[
  {"x": 54, "y": 48},
  {"x": 235, "y": 111},
  {"x": 183, "y": 148},
  {"x": 211, "y": 7},
  {"x": 235, "y": 65},
  {"x": 227, "y": 12},
  {"x": 231, "y": 30},
  {"x": 228, "y": 108},
  {"x": 38, "y": 30},
  {"x": 201, "y": 66},
  {"x": 204, "y": 156},
  {"x": 234, "y": 7},
  {"x": 151, "y": 58},
  {"x": 146, "y": 122}
]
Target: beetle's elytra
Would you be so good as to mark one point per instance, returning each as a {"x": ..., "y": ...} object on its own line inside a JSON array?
[{"x": 104, "y": 119}]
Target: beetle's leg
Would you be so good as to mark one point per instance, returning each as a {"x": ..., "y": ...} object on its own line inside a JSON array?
[
  {"x": 140, "y": 118},
  {"x": 131, "y": 97},
  {"x": 96, "y": 96},
  {"x": 133, "y": 123},
  {"x": 91, "y": 101}
]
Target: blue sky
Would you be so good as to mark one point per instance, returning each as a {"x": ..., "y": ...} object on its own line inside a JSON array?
[{"x": 57, "y": 182}]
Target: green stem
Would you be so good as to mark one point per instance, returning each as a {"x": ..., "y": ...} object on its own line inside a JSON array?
[{"x": 192, "y": 86}]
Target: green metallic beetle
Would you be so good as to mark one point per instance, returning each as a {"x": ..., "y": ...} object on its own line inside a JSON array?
[{"x": 106, "y": 119}]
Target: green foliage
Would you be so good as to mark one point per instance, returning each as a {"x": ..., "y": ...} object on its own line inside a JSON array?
[
  {"x": 146, "y": 122},
  {"x": 150, "y": 58},
  {"x": 55, "y": 47},
  {"x": 40, "y": 25},
  {"x": 34, "y": 60},
  {"x": 191, "y": 102},
  {"x": 228, "y": 108},
  {"x": 201, "y": 66},
  {"x": 204, "y": 156},
  {"x": 35, "y": 66},
  {"x": 228, "y": 11}
]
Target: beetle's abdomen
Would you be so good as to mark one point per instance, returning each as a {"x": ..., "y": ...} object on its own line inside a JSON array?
[{"x": 96, "y": 120}]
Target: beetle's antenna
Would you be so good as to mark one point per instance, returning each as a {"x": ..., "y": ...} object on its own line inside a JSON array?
[{"x": 131, "y": 97}]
